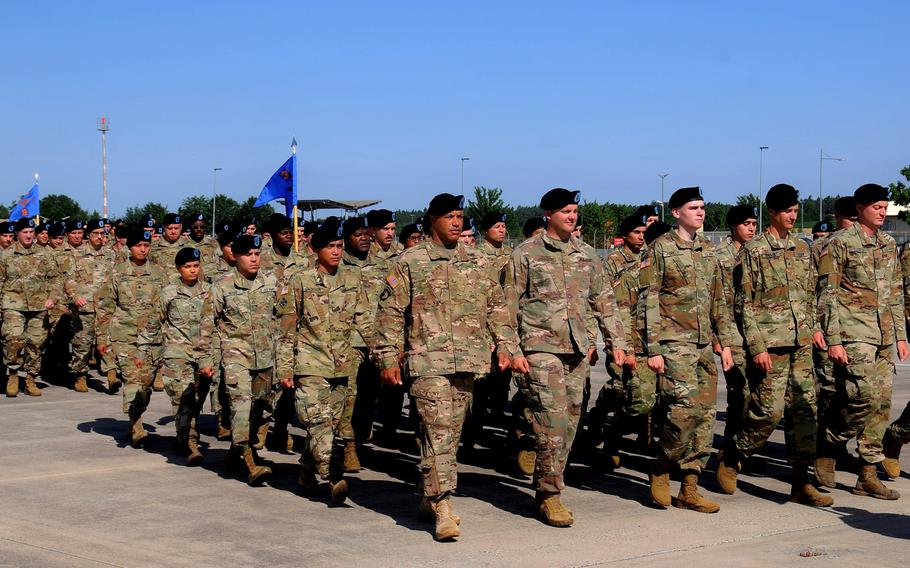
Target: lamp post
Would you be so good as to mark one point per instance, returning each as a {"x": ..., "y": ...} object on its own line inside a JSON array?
[
  {"x": 662, "y": 176},
  {"x": 214, "y": 190},
  {"x": 463, "y": 160},
  {"x": 821, "y": 159},
  {"x": 761, "y": 155}
]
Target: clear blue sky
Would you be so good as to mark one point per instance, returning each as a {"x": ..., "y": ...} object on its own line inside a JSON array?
[{"x": 386, "y": 97}]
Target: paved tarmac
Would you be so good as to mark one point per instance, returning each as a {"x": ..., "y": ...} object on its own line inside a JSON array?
[{"x": 73, "y": 494}]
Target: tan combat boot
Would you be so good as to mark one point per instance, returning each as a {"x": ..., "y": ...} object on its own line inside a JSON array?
[
  {"x": 446, "y": 528},
  {"x": 261, "y": 434},
  {"x": 869, "y": 485},
  {"x": 351, "y": 461},
  {"x": 659, "y": 478},
  {"x": 113, "y": 382},
  {"x": 257, "y": 473},
  {"x": 728, "y": 467},
  {"x": 526, "y": 461},
  {"x": 427, "y": 511},
  {"x": 80, "y": 384},
  {"x": 825, "y": 462},
  {"x": 339, "y": 489},
  {"x": 221, "y": 432},
  {"x": 31, "y": 389},
  {"x": 802, "y": 491},
  {"x": 158, "y": 383},
  {"x": 307, "y": 481},
  {"x": 194, "y": 456},
  {"x": 12, "y": 385},
  {"x": 137, "y": 433},
  {"x": 690, "y": 498},
  {"x": 892, "y": 450},
  {"x": 552, "y": 511}
]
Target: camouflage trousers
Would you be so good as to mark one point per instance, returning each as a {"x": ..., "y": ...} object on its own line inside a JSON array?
[
  {"x": 24, "y": 334},
  {"x": 553, "y": 391},
  {"x": 346, "y": 422},
  {"x": 319, "y": 402},
  {"x": 250, "y": 395},
  {"x": 137, "y": 365},
  {"x": 900, "y": 428},
  {"x": 83, "y": 341},
  {"x": 863, "y": 398},
  {"x": 827, "y": 391},
  {"x": 187, "y": 390},
  {"x": 787, "y": 390},
  {"x": 625, "y": 401},
  {"x": 441, "y": 404},
  {"x": 365, "y": 392},
  {"x": 686, "y": 404},
  {"x": 738, "y": 395}
]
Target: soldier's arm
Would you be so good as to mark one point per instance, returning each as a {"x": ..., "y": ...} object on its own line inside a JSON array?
[
  {"x": 516, "y": 286},
  {"x": 811, "y": 287},
  {"x": 755, "y": 341},
  {"x": 613, "y": 321},
  {"x": 365, "y": 318},
  {"x": 648, "y": 312},
  {"x": 289, "y": 309},
  {"x": 206, "y": 329},
  {"x": 105, "y": 303},
  {"x": 499, "y": 323},
  {"x": 217, "y": 313},
  {"x": 905, "y": 273},
  {"x": 393, "y": 303},
  {"x": 831, "y": 269},
  {"x": 897, "y": 302}
]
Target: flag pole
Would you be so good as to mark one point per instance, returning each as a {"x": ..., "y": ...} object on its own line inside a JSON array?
[
  {"x": 294, "y": 182},
  {"x": 38, "y": 214}
]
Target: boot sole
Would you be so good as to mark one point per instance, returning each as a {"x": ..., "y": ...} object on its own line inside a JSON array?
[
  {"x": 340, "y": 492},
  {"x": 809, "y": 503},
  {"x": 258, "y": 480},
  {"x": 679, "y": 505},
  {"x": 449, "y": 535},
  {"x": 862, "y": 493},
  {"x": 194, "y": 460}
]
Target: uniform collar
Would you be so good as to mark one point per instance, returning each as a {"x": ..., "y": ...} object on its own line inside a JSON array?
[
  {"x": 244, "y": 283},
  {"x": 786, "y": 243},
  {"x": 695, "y": 244}
]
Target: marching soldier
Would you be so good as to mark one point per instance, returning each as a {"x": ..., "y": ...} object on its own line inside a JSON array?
[
  {"x": 171, "y": 240},
  {"x": 199, "y": 239}
]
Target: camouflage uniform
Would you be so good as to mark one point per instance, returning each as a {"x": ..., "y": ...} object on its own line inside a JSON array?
[
  {"x": 558, "y": 298},
  {"x": 244, "y": 336},
  {"x": 864, "y": 311},
  {"x": 127, "y": 322},
  {"x": 434, "y": 309},
  {"x": 682, "y": 311},
  {"x": 316, "y": 318},
  {"x": 738, "y": 393},
  {"x": 778, "y": 311},
  {"x": 186, "y": 323},
  {"x": 85, "y": 275},
  {"x": 822, "y": 365},
  {"x": 163, "y": 253},
  {"x": 899, "y": 430}
]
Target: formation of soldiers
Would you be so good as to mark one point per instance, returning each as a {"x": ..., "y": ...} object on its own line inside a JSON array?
[{"x": 332, "y": 336}]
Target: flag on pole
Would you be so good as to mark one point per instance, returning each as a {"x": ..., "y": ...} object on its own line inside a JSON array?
[
  {"x": 27, "y": 205},
  {"x": 282, "y": 185}
]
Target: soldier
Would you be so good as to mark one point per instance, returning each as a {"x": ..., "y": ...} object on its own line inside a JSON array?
[
  {"x": 437, "y": 302},
  {"x": 742, "y": 221},
  {"x": 821, "y": 230},
  {"x": 41, "y": 235},
  {"x": 75, "y": 234},
  {"x": 468, "y": 236},
  {"x": 411, "y": 235},
  {"x": 651, "y": 214},
  {"x": 557, "y": 299},
  {"x": 898, "y": 433},
  {"x": 30, "y": 285},
  {"x": 533, "y": 227},
  {"x": 682, "y": 312},
  {"x": 777, "y": 306},
  {"x": 198, "y": 239},
  {"x": 165, "y": 248},
  {"x": 86, "y": 271},
  {"x": 317, "y": 318},
  {"x": 864, "y": 310},
  {"x": 185, "y": 311},
  {"x": 244, "y": 307},
  {"x": 56, "y": 234},
  {"x": 7, "y": 234}
]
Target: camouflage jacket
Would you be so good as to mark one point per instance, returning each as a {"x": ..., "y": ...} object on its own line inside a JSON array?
[
  {"x": 316, "y": 318},
  {"x": 208, "y": 247},
  {"x": 498, "y": 256},
  {"x": 216, "y": 268},
  {"x": 864, "y": 300},
  {"x": 163, "y": 253},
  {"x": 28, "y": 278},
  {"x": 283, "y": 267},
  {"x": 681, "y": 296},
  {"x": 558, "y": 297},
  {"x": 434, "y": 309},
  {"x": 778, "y": 299},
  {"x": 126, "y": 306},
  {"x": 905, "y": 273},
  {"x": 86, "y": 272},
  {"x": 621, "y": 270},
  {"x": 244, "y": 313},
  {"x": 187, "y": 322},
  {"x": 372, "y": 279}
]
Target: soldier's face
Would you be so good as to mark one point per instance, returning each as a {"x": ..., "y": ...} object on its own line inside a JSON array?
[
  {"x": 329, "y": 256},
  {"x": 384, "y": 236},
  {"x": 843, "y": 222},
  {"x": 26, "y": 237},
  {"x": 283, "y": 239},
  {"x": 744, "y": 232},
  {"x": 75, "y": 238},
  {"x": 497, "y": 233},
  {"x": 251, "y": 229},
  {"x": 140, "y": 250},
  {"x": 873, "y": 214},
  {"x": 576, "y": 232},
  {"x": 42, "y": 238},
  {"x": 172, "y": 232},
  {"x": 359, "y": 240},
  {"x": 197, "y": 230},
  {"x": 413, "y": 240},
  {"x": 784, "y": 220},
  {"x": 635, "y": 240},
  {"x": 302, "y": 236},
  {"x": 562, "y": 221},
  {"x": 446, "y": 229},
  {"x": 228, "y": 255},
  {"x": 189, "y": 272},
  {"x": 57, "y": 242},
  {"x": 248, "y": 263},
  {"x": 6, "y": 240},
  {"x": 155, "y": 236},
  {"x": 691, "y": 216},
  {"x": 96, "y": 238},
  {"x": 468, "y": 238}
]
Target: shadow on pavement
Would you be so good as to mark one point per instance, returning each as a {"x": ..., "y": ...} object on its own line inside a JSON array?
[{"x": 891, "y": 525}]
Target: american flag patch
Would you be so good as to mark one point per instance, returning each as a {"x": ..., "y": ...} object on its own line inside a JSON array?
[
  {"x": 645, "y": 263},
  {"x": 392, "y": 281}
]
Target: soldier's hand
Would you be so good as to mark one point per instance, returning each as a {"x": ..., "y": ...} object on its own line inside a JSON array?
[
  {"x": 287, "y": 382},
  {"x": 102, "y": 349},
  {"x": 80, "y": 302},
  {"x": 138, "y": 362},
  {"x": 630, "y": 360},
  {"x": 503, "y": 361},
  {"x": 619, "y": 357},
  {"x": 656, "y": 364},
  {"x": 718, "y": 349},
  {"x": 726, "y": 359},
  {"x": 390, "y": 376},
  {"x": 902, "y": 350},
  {"x": 818, "y": 339},
  {"x": 593, "y": 356},
  {"x": 521, "y": 365},
  {"x": 49, "y": 305},
  {"x": 838, "y": 354},
  {"x": 762, "y": 361},
  {"x": 207, "y": 372}
]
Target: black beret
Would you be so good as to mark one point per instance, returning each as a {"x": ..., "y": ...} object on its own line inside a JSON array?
[
  {"x": 632, "y": 222},
  {"x": 43, "y": 227},
  {"x": 56, "y": 229},
  {"x": 445, "y": 203},
  {"x": 7, "y": 228},
  {"x": 559, "y": 197},
  {"x": 94, "y": 224},
  {"x": 309, "y": 227},
  {"x": 350, "y": 225},
  {"x": 532, "y": 225},
  {"x": 138, "y": 235},
  {"x": 226, "y": 236},
  {"x": 684, "y": 195},
  {"x": 196, "y": 217},
  {"x": 468, "y": 224},
  {"x": 781, "y": 197},
  {"x": 74, "y": 225},
  {"x": 656, "y": 229},
  {"x": 171, "y": 219},
  {"x": 822, "y": 227},
  {"x": 24, "y": 223},
  {"x": 159, "y": 230},
  {"x": 148, "y": 223},
  {"x": 106, "y": 220},
  {"x": 491, "y": 219},
  {"x": 409, "y": 230},
  {"x": 245, "y": 243},
  {"x": 379, "y": 218},
  {"x": 186, "y": 254},
  {"x": 648, "y": 211},
  {"x": 870, "y": 193},
  {"x": 279, "y": 222},
  {"x": 325, "y": 234},
  {"x": 845, "y": 207},
  {"x": 739, "y": 214}
]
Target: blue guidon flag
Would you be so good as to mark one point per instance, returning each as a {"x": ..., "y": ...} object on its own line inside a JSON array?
[
  {"x": 282, "y": 185},
  {"x": 27, "y": 205}
]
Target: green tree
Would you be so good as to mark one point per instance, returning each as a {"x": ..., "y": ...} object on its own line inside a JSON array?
[
  {"x": 260, "y": 215},
  {"x": 139, "y": 214},
  {"x": 226, "y": 208},
  {"x": 900, "y": 192},
  {"x": 487, "y": 199},
  {"x": 4, "y": 212},
  {"x": 56, "y": 206},
  {"x": 716, "y": 216}
]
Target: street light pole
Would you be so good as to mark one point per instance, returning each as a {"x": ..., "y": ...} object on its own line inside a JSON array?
[
  {"x": 214, "y": 192},
  {"x": 662, "y": 176},
  {"x": 463, "y": 160},
  {"x": 761, "y": 155},
  {"x": 821, "y": 158}
]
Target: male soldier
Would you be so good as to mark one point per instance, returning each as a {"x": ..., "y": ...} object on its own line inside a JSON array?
[
  {"x": 821, "y": 230},
  {"x": 75, "y": 234},
  {"x": 127, "y": 323},
  {"x": 317, "y": 317},
  {"x": 85, "y": 273},
  {"x": 682, "y": 313},
  {"x": 742, "y": 221},
  {"x": 864, "y": 309},
  {"x": 898, "y": 433},
  {"x": 166, "y": 247},
  {"x": 468, "y": 236},
  {"x": 411, "y": 235},
  {"x": 244, "y": 307},
  {"x": 186, "y": 318},
  {"x": 533, "y": 227},
  {"x": 7, "y": 234},
  {"x": 56, "y": 235},
  {"x": 30, "y": 285},
  {"x": 777, "y": 306},
  {"x": 41, "y": 235},
  {"x": 199, "y": 239},
  {"x": 557, "y": 300},
  {"x": 441, "y": 309}
]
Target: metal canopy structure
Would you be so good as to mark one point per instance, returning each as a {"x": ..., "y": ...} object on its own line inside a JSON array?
[{"x": 352, "y": 206}]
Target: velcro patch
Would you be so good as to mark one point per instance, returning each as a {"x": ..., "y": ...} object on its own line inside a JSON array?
[{"x": 392, "y": 281}]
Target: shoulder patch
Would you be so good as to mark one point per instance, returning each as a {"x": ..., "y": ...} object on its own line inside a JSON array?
[
  {"x": 646, "y": 262},
  {"x": 392, "y": 281}
]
